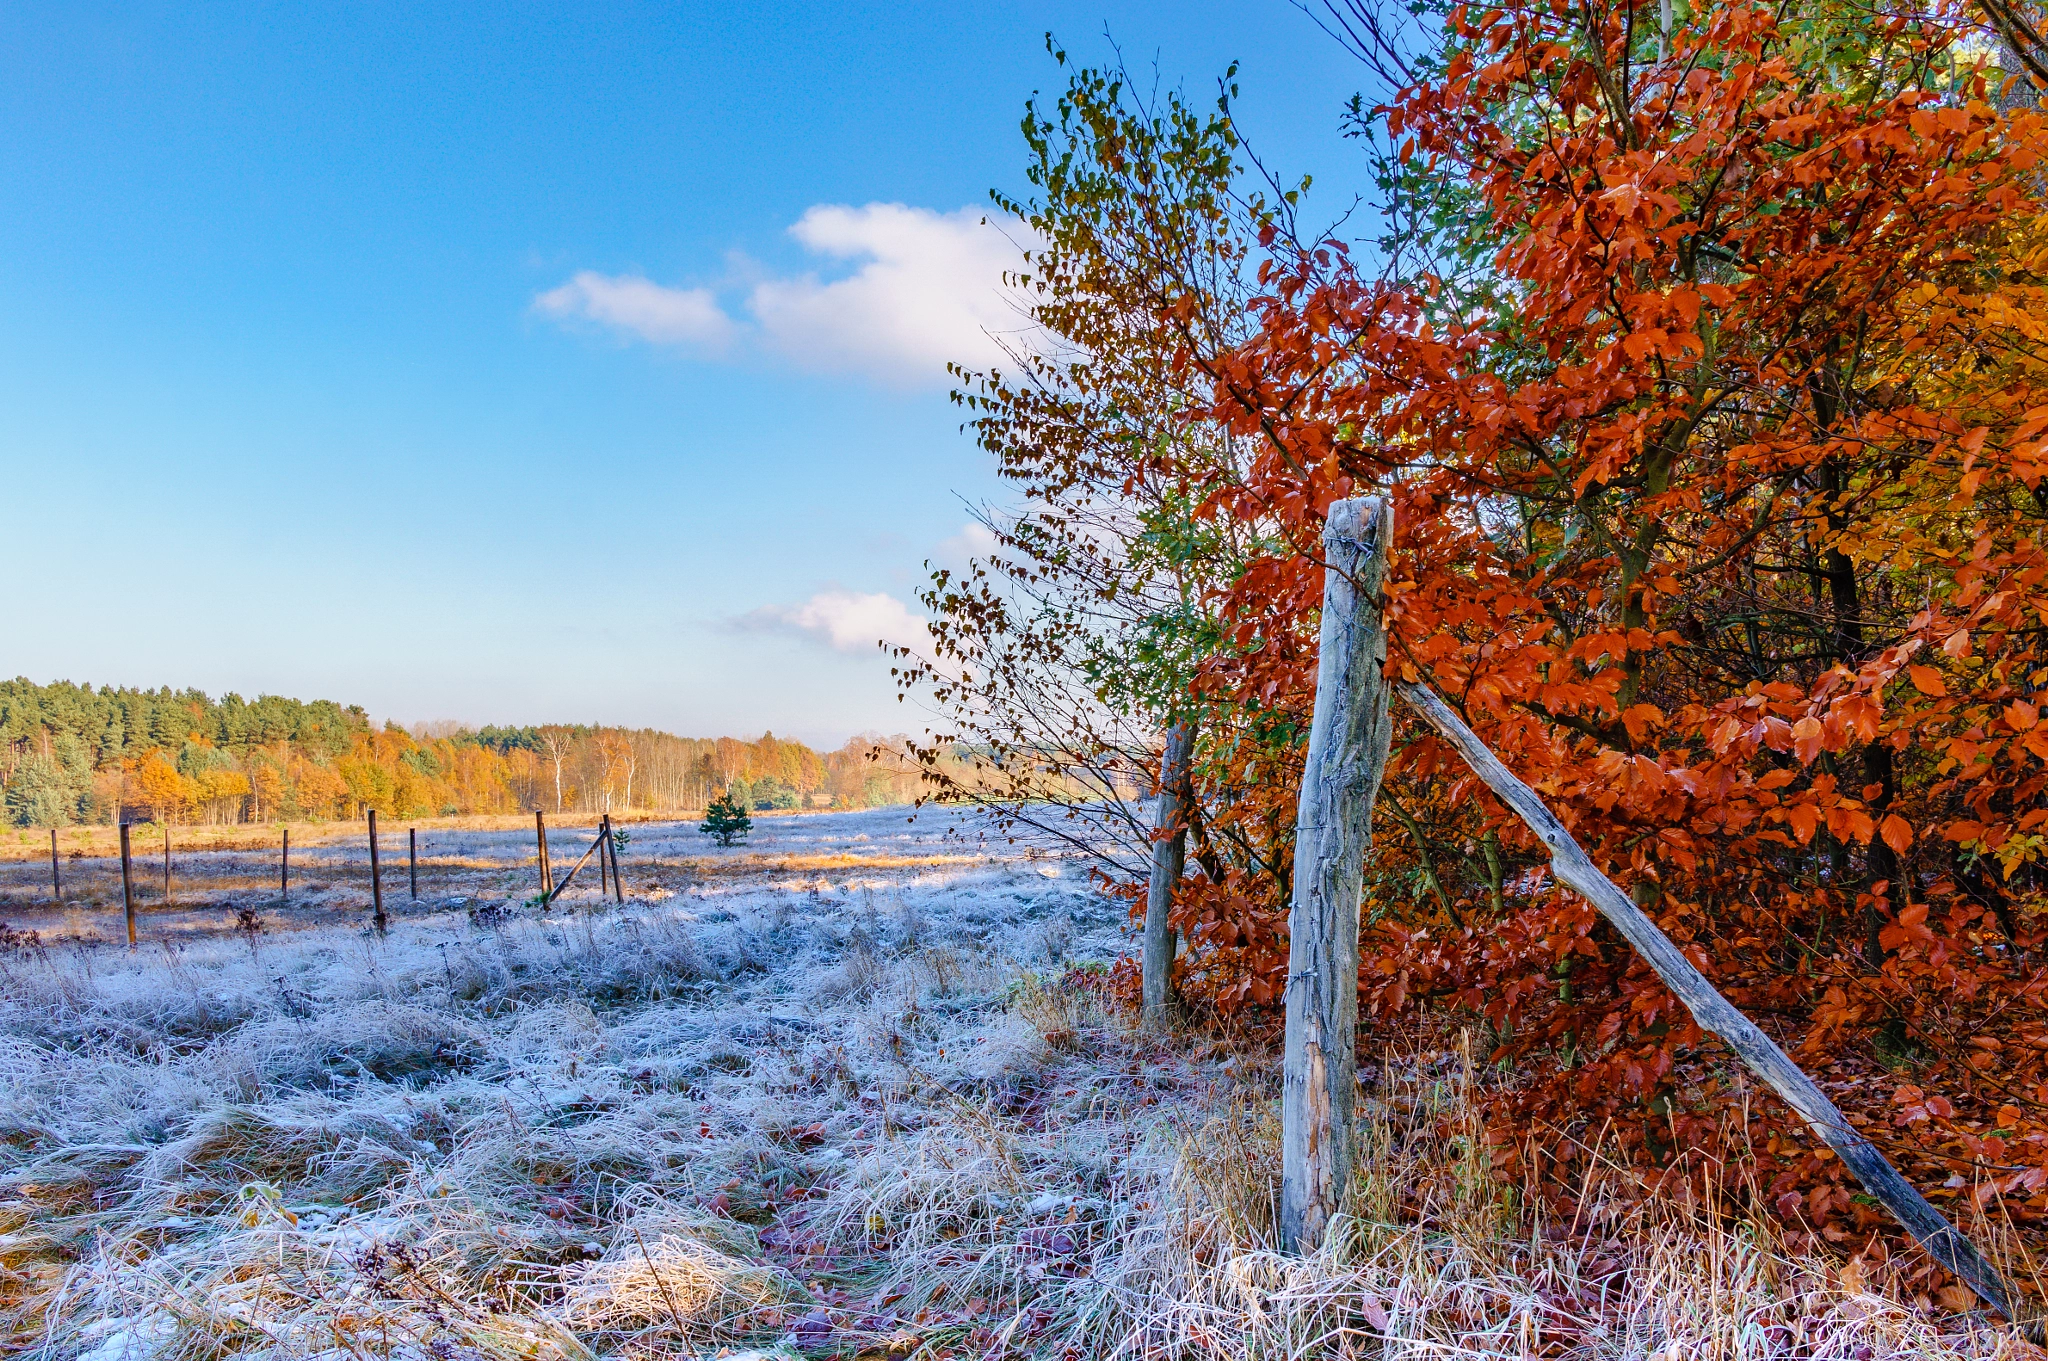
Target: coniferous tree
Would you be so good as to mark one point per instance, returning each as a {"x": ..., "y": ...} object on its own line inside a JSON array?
[{"x": 726, "y": 821}]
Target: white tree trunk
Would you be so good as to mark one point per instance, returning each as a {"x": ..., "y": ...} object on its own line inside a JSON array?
[{"x": 1347, "y": 753}]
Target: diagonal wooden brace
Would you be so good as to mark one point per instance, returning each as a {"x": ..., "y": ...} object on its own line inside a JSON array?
[{"x": 1761, "y": 1054}]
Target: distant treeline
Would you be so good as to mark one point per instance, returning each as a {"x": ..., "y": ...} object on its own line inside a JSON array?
[{"x": 72, "y": 753}]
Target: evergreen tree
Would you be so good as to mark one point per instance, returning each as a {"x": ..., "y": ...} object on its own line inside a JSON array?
[
  {"x": 40, "y": 794},
  {"x": 726, "y": 821}
]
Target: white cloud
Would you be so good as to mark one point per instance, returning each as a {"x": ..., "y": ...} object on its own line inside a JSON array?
[
  {"x": 926, "y": 289},
  {"x": 930, "y": 291},
  {"x": 846, "y": 621},
  {"x": 975, "y": 540},
  {"x": 641, "y": 307}
]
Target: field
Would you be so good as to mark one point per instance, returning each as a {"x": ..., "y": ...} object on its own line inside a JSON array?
[{"x": 856, "y": 1089}]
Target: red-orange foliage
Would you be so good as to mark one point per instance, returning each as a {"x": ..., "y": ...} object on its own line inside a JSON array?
[
  {"x": 1710, "y": 378},
  {"x": 1719, "y": 517}
]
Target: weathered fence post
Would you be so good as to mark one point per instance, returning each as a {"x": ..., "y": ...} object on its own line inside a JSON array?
[
  {"x": 611, "y": 846},
  {"x": 284, "y": 870},
  {"x": 412, "y": 837},
  {"x": 56, "y": 874},
  {"x": 1169, "y": 858},
  {"x": 540, "y": 837},
  {"x": 1347, "y": 753},
  {"x": 1715, "y": 1013},
  {"x": 128, "y": 884},
  {"x": 597, "y": 848},
  {"x": 167, "y": 863},
  {"x": 604, "y": 835},
  {"x": 376, "y": 879}
]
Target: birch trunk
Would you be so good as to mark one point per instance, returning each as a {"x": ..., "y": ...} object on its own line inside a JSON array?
[{"x": 1347, "y": 753}]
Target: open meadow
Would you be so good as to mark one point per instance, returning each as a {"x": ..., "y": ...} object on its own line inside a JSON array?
[
  {"x": 1461, "y": 593},
  {"x": 856, "y": 1089}
]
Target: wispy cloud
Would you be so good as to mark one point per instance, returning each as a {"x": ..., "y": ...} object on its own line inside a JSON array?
[
  {"x": 926, "y": 288},
  {"x": 845, "y": 621},
  {"x": 975, "y": 540},
  {"x": 641, "y": 307}
]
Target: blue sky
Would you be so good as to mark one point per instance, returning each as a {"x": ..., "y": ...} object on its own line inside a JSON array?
[{"x": 513, "y": 363}]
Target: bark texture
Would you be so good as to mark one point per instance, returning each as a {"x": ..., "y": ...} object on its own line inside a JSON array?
[
  {"x": 1169, "y": 859},
  {"x": 1347, "y": 754}
]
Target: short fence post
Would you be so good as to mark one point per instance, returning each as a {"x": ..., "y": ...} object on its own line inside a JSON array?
[
  {"x": 412, "y": 836},
  {"x": 167, "y": 863},
  {"x": 540, "y": 837},
  {"x": 128, "y": 884},
  {"x": 284, "y": 870},
  {"x": 56, "y": 874},
  {"x": 1169, "y": 859},
  {"x": 1347, "y": 755},
  {"x": 376, "y": 880}
]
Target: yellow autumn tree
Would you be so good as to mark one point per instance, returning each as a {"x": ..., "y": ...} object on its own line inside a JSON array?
[{"x": 167, "y": 793}]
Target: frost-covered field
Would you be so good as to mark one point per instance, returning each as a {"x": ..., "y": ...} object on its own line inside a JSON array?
[
  {"x": 216, "y": 871},
  {"x": 853, "y": 1090}
]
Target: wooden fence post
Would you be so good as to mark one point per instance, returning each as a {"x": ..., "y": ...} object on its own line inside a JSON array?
[
  {"x": 596, "y": 848},
  {"x": 604, "y": 836},
  {"x": 611, "y": 846},
  {"x": 1347, "y": 753},
  {"x": 56, "y": 874},
  {"x": 376, "y": 879},
  {"x": 1761, "y": 1054},
  {"x": 167, "y": 863},
  {"x": 412, "y": 838},
  {"x": 284, "y": 870},
  {"x": 1169, "y": 858},
  {"x": 128, "y": 884},
  {"x": 540, "y": 837}
]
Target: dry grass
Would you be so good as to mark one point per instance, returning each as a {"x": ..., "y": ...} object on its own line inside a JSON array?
[
  {"x": 815, "y": 1118},
  {"x": 1105, "y": 1232}
]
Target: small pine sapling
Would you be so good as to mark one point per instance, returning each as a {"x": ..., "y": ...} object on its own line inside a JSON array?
[{"x": 726, "y": 821}]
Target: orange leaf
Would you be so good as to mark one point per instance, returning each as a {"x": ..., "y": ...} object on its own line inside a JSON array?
[
  {"x": 1927, "y": 681},
  {"x": 1897, "y": 833},
  {"x": 1639, "y": 719}
]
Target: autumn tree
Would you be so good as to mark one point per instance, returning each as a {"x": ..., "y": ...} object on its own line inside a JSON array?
[
  {"x": 1705, "y": 369},
  {"x": 1709, "y": 404},
  {"x": 555, "y": 740},
  {"x": 1064, "y": 653},
  {"x": 162, "y": 789}
]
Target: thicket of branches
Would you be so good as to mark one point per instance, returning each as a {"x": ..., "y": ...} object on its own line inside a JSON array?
[{"x": 1704, "y": 351}]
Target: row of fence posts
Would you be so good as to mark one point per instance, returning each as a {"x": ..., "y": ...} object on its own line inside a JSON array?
[{"x": 605, "y": 846}]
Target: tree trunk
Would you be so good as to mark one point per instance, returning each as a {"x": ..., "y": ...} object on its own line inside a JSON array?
[
  {"x": 1347, "y": 753},
  {"x": 1573, "y": 868},
  {"x": 1169, "y": 858}
]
